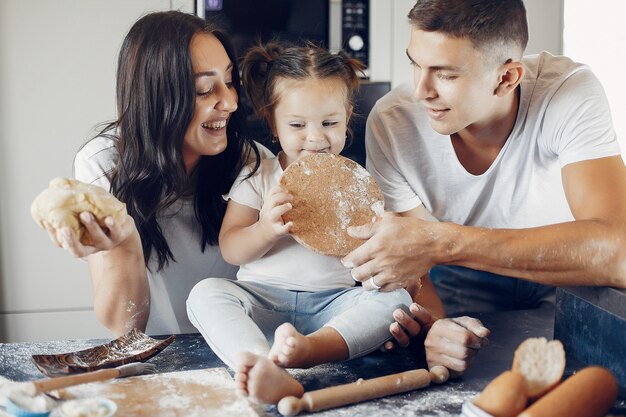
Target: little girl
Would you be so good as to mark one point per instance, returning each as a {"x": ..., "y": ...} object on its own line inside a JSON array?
[{"x": 306, "y": 302}]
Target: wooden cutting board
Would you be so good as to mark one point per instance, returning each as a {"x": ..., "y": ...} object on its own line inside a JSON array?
[{"x": 199, "y": 393}]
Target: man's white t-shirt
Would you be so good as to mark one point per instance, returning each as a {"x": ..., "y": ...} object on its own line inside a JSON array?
[
  {"x": 170, "y": 287},
  {"x": 563, "y": 118},
  {"x": 287, "y": 264}
]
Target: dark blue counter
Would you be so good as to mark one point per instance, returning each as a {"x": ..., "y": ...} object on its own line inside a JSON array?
[{"x": 190, "y": 352}]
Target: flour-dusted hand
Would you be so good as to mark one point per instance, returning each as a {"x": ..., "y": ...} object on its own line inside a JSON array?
[
  {"x": 270, "y": 216},
  {"x": 101, "y": 238},
  {"x": 397, "y": 250},
  {"x": 82, "y": 218},
  {"x": 453, "y": 342},
  {"x": 450, "y": 342}
]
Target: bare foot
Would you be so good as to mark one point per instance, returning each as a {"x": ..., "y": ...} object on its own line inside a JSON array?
[
  {"x": 261, "y": 379},
  {"x": 291, "y": 349}
]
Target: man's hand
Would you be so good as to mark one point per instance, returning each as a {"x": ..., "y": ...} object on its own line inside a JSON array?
[
  {"x": 397, "y": 250},
  {"x": 449, "y": 342},
  {"x": 453, "y": 343}
]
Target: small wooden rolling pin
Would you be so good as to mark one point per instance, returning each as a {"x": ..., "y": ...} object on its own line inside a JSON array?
[
  {"x": 362, "y": 390},
  {"x": 45, "y": 385}
]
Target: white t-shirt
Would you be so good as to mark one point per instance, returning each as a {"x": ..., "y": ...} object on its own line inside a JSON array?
[
  {"x": 170, "y": 287},
  {"x": 287, "y": 264},
  {"x": 563, "y": 118}
]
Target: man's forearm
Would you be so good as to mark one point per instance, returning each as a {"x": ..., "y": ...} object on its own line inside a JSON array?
[{"x": 583, "y": 252}]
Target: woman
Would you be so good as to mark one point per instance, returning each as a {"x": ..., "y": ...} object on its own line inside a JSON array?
[{"x": 175, "y": 148}]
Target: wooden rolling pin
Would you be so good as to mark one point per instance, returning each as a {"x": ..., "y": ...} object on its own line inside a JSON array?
[
  {"x": 362, "y": 390},
  {"x": 44, "y": 385}
]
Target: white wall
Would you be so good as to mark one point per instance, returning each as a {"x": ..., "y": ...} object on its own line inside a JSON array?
[
  {"x": 604, "y": 53},
  {"x": 57, "y": 80}
]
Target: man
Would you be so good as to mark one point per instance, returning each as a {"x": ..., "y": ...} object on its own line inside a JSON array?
[{"x": 515, "y": 157}]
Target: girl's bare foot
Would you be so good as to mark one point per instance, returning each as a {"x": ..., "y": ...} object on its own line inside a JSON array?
[
  {"x": 261, "y": 379},
  {"x": 291, "y": 349}
]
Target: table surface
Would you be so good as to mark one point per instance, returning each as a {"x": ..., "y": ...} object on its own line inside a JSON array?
[{"x": 189, "y": 352}]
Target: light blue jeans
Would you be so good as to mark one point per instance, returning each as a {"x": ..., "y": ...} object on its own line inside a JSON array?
[
  {"x": 468, "y": 291},
  {"x": 236, "y": 316}
]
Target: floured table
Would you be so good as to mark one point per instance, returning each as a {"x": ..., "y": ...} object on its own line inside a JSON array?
[
  {"x": 196, "y": 393},
  {"x": 191, "y": 353}
]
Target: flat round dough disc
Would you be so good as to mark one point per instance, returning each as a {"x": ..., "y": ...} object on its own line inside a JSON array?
[{"x": 330, "y": 193}]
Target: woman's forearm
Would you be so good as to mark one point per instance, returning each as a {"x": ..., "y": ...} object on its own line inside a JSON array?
[{"x": 120, "y": 286}]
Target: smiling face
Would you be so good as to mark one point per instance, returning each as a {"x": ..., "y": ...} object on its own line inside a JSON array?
[
  {"x": 454, "y": 81},
  {"x": 311, "y": 116},
  {"x": 216, "y": 99}
]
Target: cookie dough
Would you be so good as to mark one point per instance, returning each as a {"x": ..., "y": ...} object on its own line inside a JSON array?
[
  {"x": 62, "y": 202},
  {"x": 330, "y": 193}
]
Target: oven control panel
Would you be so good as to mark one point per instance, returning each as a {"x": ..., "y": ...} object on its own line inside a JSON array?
[{"x": 355, "y": 29}]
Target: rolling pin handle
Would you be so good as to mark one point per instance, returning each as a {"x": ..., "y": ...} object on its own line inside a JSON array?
[
  {"x": 439, "y": 374},
  {"x": 291, "y": 406}
]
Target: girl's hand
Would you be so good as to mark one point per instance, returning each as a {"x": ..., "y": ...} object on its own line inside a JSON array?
[
  {"x": 271, "y": 222},
  {"x": 103, "y": 238}
]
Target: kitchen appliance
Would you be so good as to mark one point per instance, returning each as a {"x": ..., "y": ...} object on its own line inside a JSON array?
[
  {"x": 250, "y": 21},
  {"x": 336, "y": 24},
  {"x": 355, "y": 29}
]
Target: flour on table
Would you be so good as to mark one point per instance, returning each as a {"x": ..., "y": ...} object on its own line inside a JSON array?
[
  {"x": 197, "y": 393},
  {"x": 91, "y": 407}
]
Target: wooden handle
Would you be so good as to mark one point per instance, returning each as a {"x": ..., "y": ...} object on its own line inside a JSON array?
[
  {"x": 45, "y": 385},
  {"x": 362, "y": 390}
]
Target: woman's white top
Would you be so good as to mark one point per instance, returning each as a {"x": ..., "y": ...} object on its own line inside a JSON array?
[{"x": 169, "y": 287}]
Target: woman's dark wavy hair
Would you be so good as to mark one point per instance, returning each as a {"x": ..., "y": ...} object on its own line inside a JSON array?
[{"x": 155, "y": 103}]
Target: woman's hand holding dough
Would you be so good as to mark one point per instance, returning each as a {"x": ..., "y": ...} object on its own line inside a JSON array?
[
  {"x": 102, "y": 238},
  {"x": 82, "y": 218}
]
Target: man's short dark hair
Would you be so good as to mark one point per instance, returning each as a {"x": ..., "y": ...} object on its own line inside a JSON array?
[{"x": 489, "y": 24}]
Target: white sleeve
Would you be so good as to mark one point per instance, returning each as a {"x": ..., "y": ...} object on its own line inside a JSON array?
[
  {"x": 245, "y": 190},
  {"x": 95, "y": 161},
  {"x": 263, "y": 151},
  {"x": 577, "y": 123},
  {"x": 382, "y": 164}
]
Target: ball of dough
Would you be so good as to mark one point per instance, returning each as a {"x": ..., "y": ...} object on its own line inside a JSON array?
[
  {"x": 330, "y": 193},
  {"x": 63, "y": 201}
]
